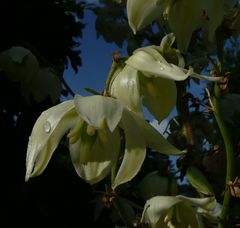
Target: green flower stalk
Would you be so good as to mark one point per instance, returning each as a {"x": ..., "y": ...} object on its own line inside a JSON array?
[
  {"x": 230, "y": 160},
  {"x": 229, "y": 152}
]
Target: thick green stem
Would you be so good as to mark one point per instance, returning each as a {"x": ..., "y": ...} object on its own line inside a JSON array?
[
  {"x": 113, "y": 172},
  {"x": 110, "y": 77},
  {"x": 223, "y": 130},
  {"x": 229, "y": 152},
  {"x": 225, "y": 135},
  {"x": 116, "y": 66},
  {"x": 122, "y": 213},
  {"x": 119, "y": 207}
]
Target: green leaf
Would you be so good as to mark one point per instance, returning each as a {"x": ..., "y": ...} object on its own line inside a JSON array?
[
  {"x": 182, "y": 27},
  {"x": 94, "y": 109},
  {"x": 229, "y": 104},
  {"x": 215, "y": 11},
  {"x": 199, "y": 181},
  {"x": 44, "y": 83},
  {"x": 126, "y": 208},
  {"x": 92, "y": 91},
  {"x": 118, "y": 1},
  {"x": 47, "y": 132},
  {"x": 19, "y": 64}
]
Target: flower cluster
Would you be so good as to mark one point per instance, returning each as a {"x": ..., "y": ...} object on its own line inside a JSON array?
[
  {"x": 93, "y": 123},
  {"x": 99, "y": 128},
  {"x": 180, "y": 211},
  {"x": 183, "y": 16}
]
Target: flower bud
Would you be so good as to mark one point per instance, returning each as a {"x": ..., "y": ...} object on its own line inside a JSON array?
[{"x": 153, "y": 184}]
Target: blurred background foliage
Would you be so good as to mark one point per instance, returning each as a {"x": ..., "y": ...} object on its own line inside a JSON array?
[{"x": 52, "y": 31}]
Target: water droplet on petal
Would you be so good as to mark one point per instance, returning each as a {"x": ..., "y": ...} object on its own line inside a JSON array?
[{"x": 47, "y": 127}]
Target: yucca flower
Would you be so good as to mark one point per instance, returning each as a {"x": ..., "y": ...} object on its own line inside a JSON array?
[
  {"x": 93, "y": 125},
  {"x": 149, "y": 79},
  {"x": 180, "y": 211},
  {"x": 183, "y": 16}
]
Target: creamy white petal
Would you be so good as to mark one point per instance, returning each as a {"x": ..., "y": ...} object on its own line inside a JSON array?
[
  {"x": 135, "y": 150},
  {"x": 141, "y": 13},
  {"x": 153, "y": 52},
  {"x": 167, "y": 41},
  {"x": 175, "y": 211},
  {"x": 125, "y": 87},
  {"x": 93, "y": 109},
  {"x": 199, "y": 202},
  {"x": 143, "y": 61},
  {"x": 215, "y": 11},
  {"x": 157, "y": 207},
  {"x": 93, "y": 155},
  {"x": 46, "y": 135},
  {"x": 197, "y": 179},
  {"x": 184, "y": 17},
  {"x": 154, "y": 139},
  {"x": 205, "y": 77}
]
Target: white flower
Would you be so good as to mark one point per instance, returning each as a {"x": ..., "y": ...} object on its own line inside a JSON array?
[
  {"x": 141, "y": 13},
  {"x": 180, "y": 211},
  {"x": 154, "y": 184},
  {"x": 149, "y": 79},
  {"x": 184, "y": 16},
  {"x": 93, "y": 126}
]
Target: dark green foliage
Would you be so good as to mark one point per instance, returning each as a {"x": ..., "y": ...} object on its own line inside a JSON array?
[
  {"x": 49, "y": 28},
  {"x": 59, "y": 197},
  {"x": 112, "y": 25}
]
